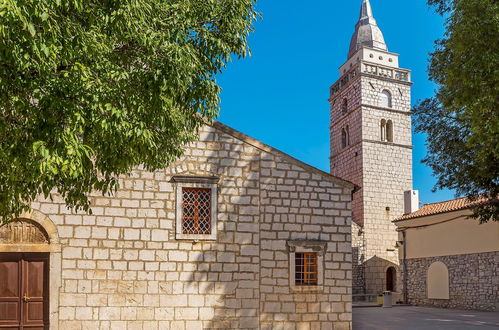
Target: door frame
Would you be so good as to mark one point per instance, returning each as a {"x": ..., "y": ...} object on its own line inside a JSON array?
[{"x": 54, "y": 249}]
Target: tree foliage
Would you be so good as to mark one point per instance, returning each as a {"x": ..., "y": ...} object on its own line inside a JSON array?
[
  {"x": 462, "y": 119},
  {"x": 90, "y": 89}
]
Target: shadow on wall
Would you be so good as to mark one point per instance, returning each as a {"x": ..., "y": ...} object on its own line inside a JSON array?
[{"x": 221, "y": 279}]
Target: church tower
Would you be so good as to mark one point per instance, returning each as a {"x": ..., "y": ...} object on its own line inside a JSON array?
[{"x": 370, "y": 108}]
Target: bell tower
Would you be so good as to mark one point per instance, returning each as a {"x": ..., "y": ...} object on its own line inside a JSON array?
[{"x": 371, "y": 146}]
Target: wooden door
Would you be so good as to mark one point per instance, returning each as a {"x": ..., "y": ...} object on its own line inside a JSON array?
[
  {"x": 24, "y": 291},
  {"x": 390, "y": 279}
]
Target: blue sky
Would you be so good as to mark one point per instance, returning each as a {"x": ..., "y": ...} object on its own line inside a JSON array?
[{"x": 279, "y": 94}]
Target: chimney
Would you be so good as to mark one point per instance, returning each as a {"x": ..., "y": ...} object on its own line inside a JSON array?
[{"x": 411, "y": 201}]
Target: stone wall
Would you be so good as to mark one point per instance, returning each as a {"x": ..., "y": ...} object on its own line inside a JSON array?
[
  {"x": 473, "y": 281},
  {"x": 122, "y": 267}
]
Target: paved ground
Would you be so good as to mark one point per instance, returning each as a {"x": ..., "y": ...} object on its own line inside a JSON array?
[{"x": 412, "y": 318}]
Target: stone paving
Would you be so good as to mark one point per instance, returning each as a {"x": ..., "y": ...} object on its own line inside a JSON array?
[{"x": 412, "y": 318}]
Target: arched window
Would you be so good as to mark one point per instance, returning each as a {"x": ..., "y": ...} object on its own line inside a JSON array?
[
  {"x": 343, "y": 138},
  {"x": 438, "y": 281},
  {"x": 383, "y": 130},
  {"x": 389, "y": 131},
  {"x": 344, "y": 106},
  {"x": 385, "y": 99},
  {"x": 391, "y": 278}
]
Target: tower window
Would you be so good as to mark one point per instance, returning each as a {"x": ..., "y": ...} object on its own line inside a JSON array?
[
  {"x": 345, "y": 137},
  {"x": 386, "y": 130},
  {"x": 389, "y": 131},
  {"x": 383, "y": 130},
  {"x": 344, "y": 106},
  {"x": 385, "y": 99}
]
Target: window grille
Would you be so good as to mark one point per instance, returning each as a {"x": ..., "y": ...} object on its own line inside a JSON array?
[
  {"x": 306, "y": 268},
  {"x": 196, "y": 211}
]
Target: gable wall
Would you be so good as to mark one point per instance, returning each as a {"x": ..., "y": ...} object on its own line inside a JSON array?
[{"x": 123, "y": 269}]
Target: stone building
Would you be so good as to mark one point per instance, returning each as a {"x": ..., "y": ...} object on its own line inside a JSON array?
[
  {"x": 452, "y": 261},
  {"x": 235, "y": 234},
  {"x": 370, "y": 108}
]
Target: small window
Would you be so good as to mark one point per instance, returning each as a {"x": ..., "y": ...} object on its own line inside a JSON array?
[
  {"x": 383, "y": 130},
  {"x": 306, "y": 270},
  {"x": 385, "y": 99},
  {"x": 343, "y": 138},
  {"x": 389, "y": 131},
  {"x": 196, "y": 209},
  {"x": 344, "y": 106}
]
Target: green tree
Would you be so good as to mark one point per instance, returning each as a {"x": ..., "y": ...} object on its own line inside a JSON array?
[
  {"x": 462, "y": 119},
  {"x": 90, "y": 89}
]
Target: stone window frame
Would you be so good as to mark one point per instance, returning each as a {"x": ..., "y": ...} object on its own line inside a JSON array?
[
  {"x": 196, "y": 182},
  {"x": 306, "y": 246}
]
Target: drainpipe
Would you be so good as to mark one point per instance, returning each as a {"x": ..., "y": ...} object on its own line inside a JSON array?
[{"x": 404, "y": 238}]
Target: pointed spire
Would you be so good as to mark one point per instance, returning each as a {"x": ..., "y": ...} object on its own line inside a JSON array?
[
  {"x": 366, "y": 10},
  {"x": 367, "y": 32}
]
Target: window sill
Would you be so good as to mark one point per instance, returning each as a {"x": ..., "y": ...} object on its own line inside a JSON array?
[
  {"x": 192, "y": 237},
  {"x": 307, "y": 288}
]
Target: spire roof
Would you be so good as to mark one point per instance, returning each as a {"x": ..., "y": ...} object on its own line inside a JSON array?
[{"x": 367, "y": 33}]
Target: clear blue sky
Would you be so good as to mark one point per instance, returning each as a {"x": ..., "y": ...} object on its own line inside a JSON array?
[{"x": 279, "y": 94}]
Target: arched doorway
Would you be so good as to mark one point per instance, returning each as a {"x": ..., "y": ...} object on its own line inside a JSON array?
[{"x": 391, "y": 277}]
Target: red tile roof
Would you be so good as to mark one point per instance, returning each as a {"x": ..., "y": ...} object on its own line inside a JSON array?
[{"x": 442, "y": 207}]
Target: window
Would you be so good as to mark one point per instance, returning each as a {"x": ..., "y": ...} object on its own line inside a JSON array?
[
  {"x": 196, "y": 211},
  {"x": 345, "y": 137},
  {"x": 383, "y": 130},
  {"x": 196, "y": 208},
  {"x": 344, "y": 106},
  {"x": 306, "y": 270},
  {"x": 389, "y": 131},
  {"x": 386, "y": 130},
  {"x": 385, "y": 99},
  {"x": 438, "y": 281}
]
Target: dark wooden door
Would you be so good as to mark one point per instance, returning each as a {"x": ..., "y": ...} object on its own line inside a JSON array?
[
  {"x": 390, "y": 279},
  {"x": 24, "y": 291}
]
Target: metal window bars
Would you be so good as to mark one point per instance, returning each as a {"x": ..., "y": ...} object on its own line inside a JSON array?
[
  {"x": 306, "y": 268},
  {"x": 196, "y": 211}
]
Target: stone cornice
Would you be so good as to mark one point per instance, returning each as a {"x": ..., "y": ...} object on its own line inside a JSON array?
[
  {"x": 402, "y": 82},
  {"x": 371, "y": 141},
  {"x": 342, "y": 118},
  {"x": 388, "y": 143}
]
